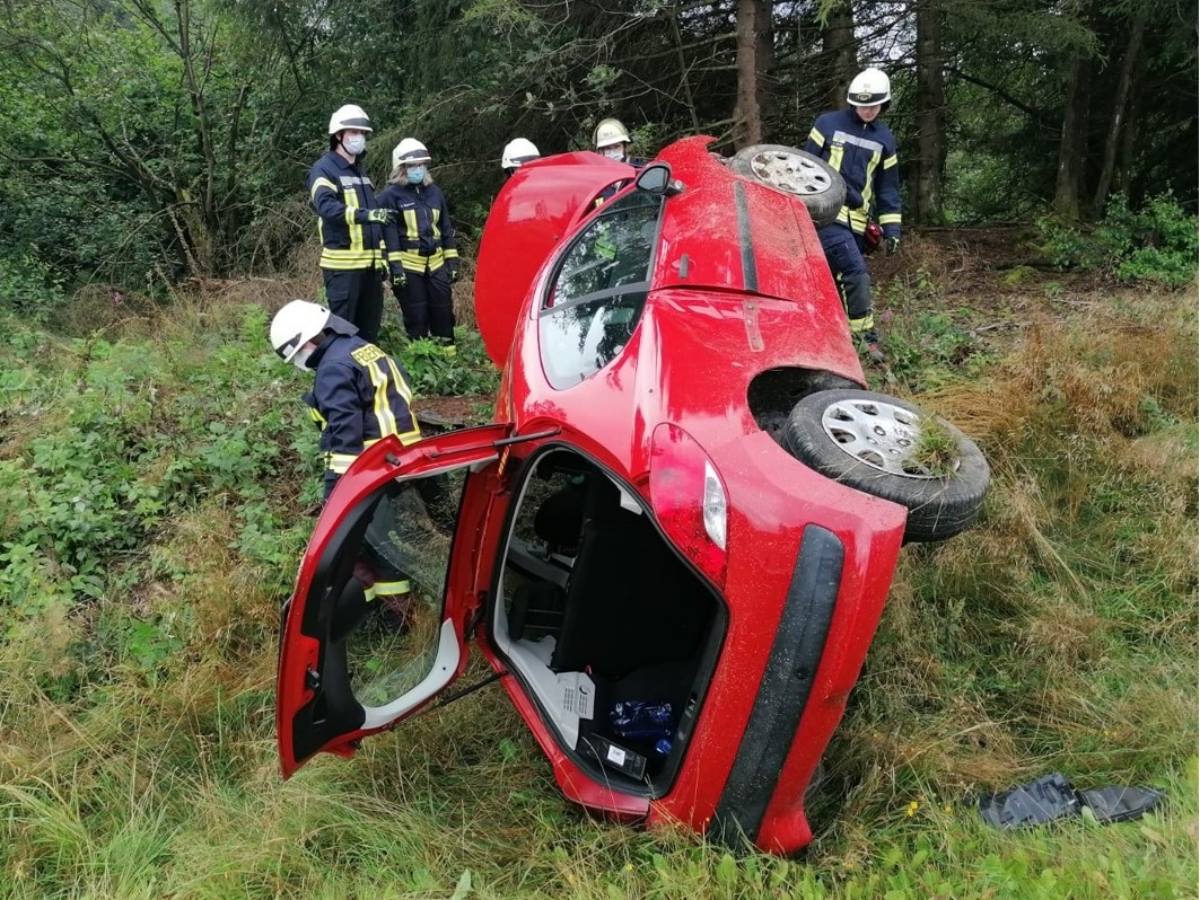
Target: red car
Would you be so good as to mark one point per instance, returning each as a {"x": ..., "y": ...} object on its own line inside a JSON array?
[{"x": 674, "y": 542}]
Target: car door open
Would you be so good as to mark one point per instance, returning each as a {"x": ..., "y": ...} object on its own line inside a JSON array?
[{"x": 361, "y": 650}]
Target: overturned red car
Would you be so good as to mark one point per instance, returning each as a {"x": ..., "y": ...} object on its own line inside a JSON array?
[{"x": 674, "y": 542}]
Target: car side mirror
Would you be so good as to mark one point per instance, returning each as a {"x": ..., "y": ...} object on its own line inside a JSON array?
[{"x": 656, "y": 179}]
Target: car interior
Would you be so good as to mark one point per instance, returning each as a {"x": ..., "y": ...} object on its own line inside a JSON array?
[{"x": 612, "y": 632}]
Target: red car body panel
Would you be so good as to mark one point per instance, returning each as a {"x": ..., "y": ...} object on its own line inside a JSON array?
[{"x": 739, "y": 287}]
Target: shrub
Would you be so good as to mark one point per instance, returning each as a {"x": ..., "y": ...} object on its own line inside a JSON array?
[{"x": 1157, "y": 243}]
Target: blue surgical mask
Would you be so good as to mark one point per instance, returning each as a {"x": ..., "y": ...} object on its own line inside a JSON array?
[
  {"x": 416, "y": 174},
  {"x": 355, "y": 144}
]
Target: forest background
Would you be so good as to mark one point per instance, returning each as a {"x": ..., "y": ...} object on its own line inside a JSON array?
[
  {"x": 151, "y": 141},
  {"x": 158, "y": 472}
]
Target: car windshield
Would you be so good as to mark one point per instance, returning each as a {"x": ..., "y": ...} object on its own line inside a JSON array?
[{"x": 599, "y": 289}]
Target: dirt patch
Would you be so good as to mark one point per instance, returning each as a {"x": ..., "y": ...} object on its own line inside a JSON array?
[{"x": 435, "y": 413}]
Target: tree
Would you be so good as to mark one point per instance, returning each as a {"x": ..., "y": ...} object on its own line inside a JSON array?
[
  {"x": 754, "y": 44},
  {"x": 926, "y": 193}
]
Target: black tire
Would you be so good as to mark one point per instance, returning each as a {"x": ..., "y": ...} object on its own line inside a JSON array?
[
  {"x": 864, "y": 440},
  {"x": 817, "y": 184}
]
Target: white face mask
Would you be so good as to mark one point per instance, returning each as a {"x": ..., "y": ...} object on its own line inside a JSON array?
[
  {"x": 300, "y": 360},
  {"x": 355, "y": 144},
  {"x": 616, "y": 153}
]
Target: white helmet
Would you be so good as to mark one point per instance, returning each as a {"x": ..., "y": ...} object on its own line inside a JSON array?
[
  {"x": 349, "y": 116},
  {"x": 609, "y": 132},
  {"x": 297, "y": 323},
  {"x": 870, "y": 87},
  {"x": 516, "y": 152},
  {"x": 409, "y": 151}
]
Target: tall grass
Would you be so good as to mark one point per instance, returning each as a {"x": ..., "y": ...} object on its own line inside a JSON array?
[{"x": 137, "y": 754}]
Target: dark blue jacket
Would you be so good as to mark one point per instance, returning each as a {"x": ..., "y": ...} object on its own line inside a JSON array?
[
  {"x": 865, "y": 155},
  {"x": 422, "y": 240},
  {"x": 342, "y": 194},
  {"x": 360, "y": 395}
]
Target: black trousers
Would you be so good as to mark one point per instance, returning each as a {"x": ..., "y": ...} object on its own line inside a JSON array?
[
  {"x": 357, "y": 296},
  {"x": 427, "y": 305}
]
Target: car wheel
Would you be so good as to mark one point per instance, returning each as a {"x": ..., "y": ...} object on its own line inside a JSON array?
[
  {"x": 875, "y": 443},
  {"x": 814, "y": 181}
]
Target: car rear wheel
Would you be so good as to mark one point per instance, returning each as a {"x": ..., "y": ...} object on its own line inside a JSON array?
[
  {"x": 814, "y": 181},
  {"x": 888, "y": 448}
]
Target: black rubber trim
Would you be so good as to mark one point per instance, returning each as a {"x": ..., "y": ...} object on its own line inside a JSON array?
[
  {"x": 785, "y": 688},
  {"x": 745, "y": 239}
]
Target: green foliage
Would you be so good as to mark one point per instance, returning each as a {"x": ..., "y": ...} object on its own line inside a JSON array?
[
  {"x": 435, "y": 372},
  {"x": 30, "y": 287},
  {"x": 1156, "y": 244},
  {"x": 138, "y": 715}
]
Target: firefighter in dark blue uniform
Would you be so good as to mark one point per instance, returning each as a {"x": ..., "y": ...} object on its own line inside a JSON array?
[
  {"x": 421, "y": 249},
  {"x": 855, "y": 143},
  {"x": 350, "y": 223},
  {"x": 360, "y": 395},
  {"x": 612, "y": 141}
]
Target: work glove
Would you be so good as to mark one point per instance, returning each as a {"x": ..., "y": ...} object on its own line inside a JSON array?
[
  {"x": 452, "y": 269},
  {"x": 380, "y": 216},
  {"x": 399, "y": 280},
  {"x": 891, "y": 245}
]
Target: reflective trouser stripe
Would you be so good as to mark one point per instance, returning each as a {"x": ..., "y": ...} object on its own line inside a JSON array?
[
  {"x": 339, "y": 462},
  {"x": 866, "y": 323},
  {"x": 392, "y": 588}
]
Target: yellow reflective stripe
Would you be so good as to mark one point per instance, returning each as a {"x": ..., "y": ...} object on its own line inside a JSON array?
[
  {"x": 835, "y": 156},
  {"x": 349, "y": 259},
  {"x": 392, "y": 588},
  {"x": 889, "y": 219},
  {"x": 321, "y": 183},
  {"x": 369, "y": 593},
  {"x": 415, "y": 262},
  {"x": 402, "y": 387},
  {"x": 868, "y": 190},
  {"x": 338, "y": 463},
  {"x": 411, "y": 231},
  {"x": 890, "y": 161},
  {"x": 410, "y": 437},
  {"x": 858, "y": 326},
  {"x": 434, "y": 215},
  {"x": 451, "y": 253},
  {"x": 383, "y": 408},
  {"x": 817, "y": 138}
]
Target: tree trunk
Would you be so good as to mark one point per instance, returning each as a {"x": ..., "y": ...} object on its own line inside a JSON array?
[
  {"x": 754, "y": 45},
  {"x": 1072, "y": 148},
  {"x": 841, "y": 51},
  {"x": 926, "y": 195},
  {"x": 1117, "y": 124}
]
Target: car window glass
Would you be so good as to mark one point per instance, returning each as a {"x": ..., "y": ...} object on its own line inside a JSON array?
[
  {"x": 599, "y": 290},
  {"x": 392, "y": 647}
]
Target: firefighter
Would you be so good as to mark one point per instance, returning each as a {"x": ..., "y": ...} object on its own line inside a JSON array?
[
  {"x": 359, "y": 396},
  {"x": 612, "y": 142},
  {"x": 516, "y": 153},
  {"x": 350, "y": 224},
  {"x": 422, "y": 253},
  {"x": 859, "y": 146}
]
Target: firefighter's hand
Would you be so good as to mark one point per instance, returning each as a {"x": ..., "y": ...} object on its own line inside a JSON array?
[
  {"x": 399, "y": 280},
  {"x": 891, "y": 245},
  {"x": 452, "y": 269},
  {"x": 380, "y": 216}
]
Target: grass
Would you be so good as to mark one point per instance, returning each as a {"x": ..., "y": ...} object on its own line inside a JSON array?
[{"x": 138, "y": 756}]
